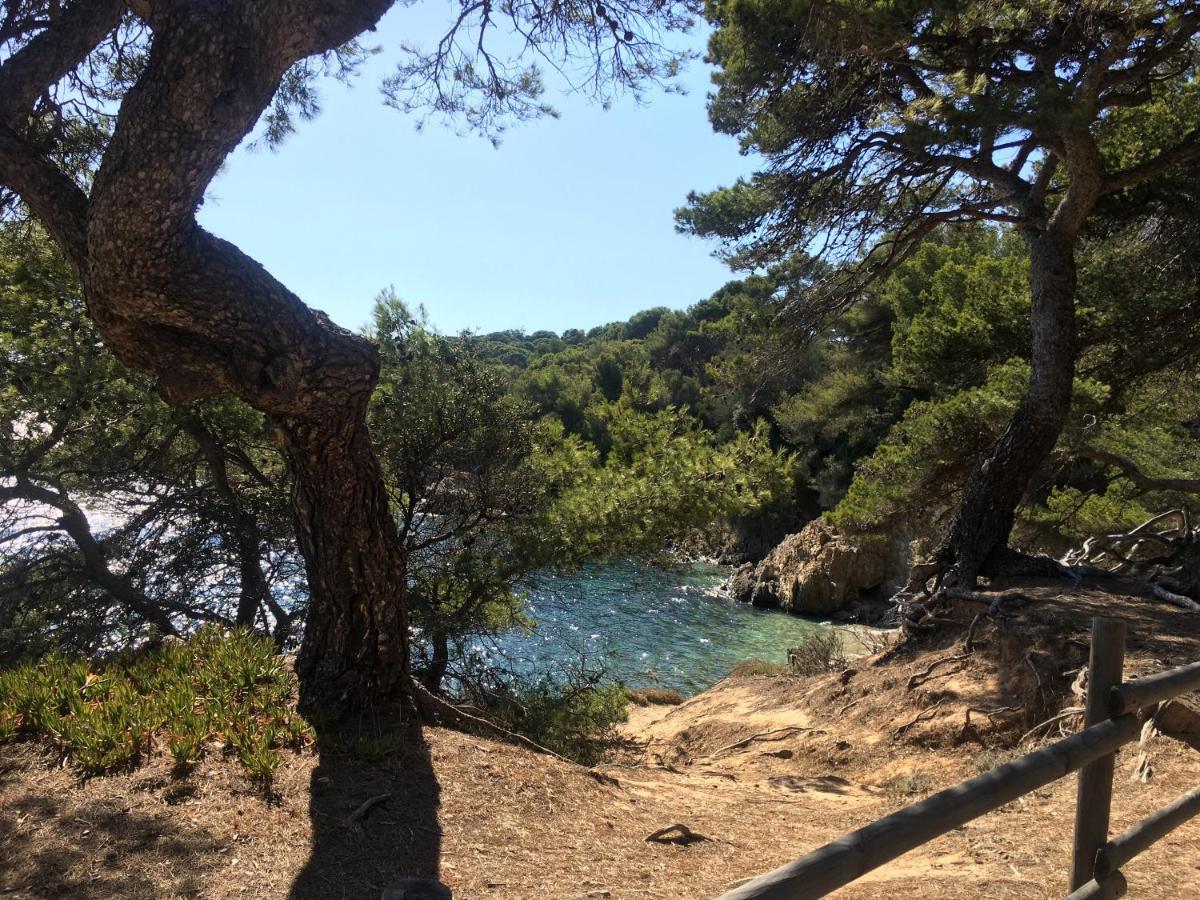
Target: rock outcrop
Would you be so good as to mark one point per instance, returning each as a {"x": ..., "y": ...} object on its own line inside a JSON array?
[{"x": 819, "y": 571}]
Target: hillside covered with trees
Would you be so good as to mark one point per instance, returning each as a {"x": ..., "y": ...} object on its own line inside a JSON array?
[{"x": 962, "y": 320}]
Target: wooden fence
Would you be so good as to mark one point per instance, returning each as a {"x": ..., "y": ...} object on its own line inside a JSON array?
[{"x": 1111, "y": 720}]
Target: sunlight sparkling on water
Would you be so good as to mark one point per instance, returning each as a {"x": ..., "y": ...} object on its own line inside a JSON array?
[{"x": 648, "y": 626}]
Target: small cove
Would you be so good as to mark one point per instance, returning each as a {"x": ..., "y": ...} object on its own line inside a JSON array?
[{"x": 648, "y": 626}]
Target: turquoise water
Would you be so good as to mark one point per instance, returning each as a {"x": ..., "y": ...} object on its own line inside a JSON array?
[{"x": 649, "y": 626}]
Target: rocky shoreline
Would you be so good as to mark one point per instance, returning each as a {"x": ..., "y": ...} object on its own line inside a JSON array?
[{"x": 821, "y": 571}]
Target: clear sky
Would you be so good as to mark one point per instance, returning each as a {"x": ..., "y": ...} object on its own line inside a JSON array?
[{"x": 568, "y": 224}]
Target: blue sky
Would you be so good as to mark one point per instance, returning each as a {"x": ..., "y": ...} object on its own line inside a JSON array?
[{"x": 568, "y": 224}]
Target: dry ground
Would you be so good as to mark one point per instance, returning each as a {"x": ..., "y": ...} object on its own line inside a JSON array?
[{"x": 496, "y": 821}]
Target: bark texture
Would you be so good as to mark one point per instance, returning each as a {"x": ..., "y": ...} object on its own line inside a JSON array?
[{"x": 981, "y": 526}]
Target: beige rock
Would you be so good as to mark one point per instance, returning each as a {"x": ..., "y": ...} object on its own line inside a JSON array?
[{"x": 817, "y": 571}]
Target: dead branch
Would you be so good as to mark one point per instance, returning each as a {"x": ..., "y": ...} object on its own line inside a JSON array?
[
  {"x": 675, "y": 833},
  {"x": 427, "y": 697},
  {"x": 366, "y": 807}
]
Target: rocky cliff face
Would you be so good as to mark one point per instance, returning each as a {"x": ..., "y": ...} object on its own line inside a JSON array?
[{"x": 819, "y": 571}]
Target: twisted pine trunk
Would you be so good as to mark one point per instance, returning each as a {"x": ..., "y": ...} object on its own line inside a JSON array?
[
  {"x": 204, "y": 319},
  {"x": 978, "y": 535},
  {"x": 977, "y": 540}
]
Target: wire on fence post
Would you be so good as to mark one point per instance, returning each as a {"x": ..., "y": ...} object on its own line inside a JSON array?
[{"x": 1094, "y": 795}]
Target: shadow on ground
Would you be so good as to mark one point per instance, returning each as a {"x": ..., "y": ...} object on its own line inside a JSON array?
[
  {"x": 59, "y": 843},
  {"x": 358, "y": 846}
]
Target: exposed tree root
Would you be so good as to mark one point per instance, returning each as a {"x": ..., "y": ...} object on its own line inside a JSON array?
[
  {"x": 924, "y": 675},
  {"x": 1161, "y": 551},
  {"x": 1065, "y": 714},
  {"x": 920, "y": 717},
  {"x": 1176, "y": 599},
  {"x": 761, "y": 736}
]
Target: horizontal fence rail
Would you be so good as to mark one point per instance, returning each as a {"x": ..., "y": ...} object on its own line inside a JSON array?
[
  {"x": 854, "y": 855},
  {"x": 1131, "y": 842},
  {"x": 1095, "y": 873},
  {"x": 1142, "y": 692},
  {"x": 1111, "y": 886}
]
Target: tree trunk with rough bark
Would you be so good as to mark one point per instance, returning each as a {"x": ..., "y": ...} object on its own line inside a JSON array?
[
  {"x": 356, "y": 638},
  {"x": 978, "y": 534},
  {"x": 439, "y": 662}
]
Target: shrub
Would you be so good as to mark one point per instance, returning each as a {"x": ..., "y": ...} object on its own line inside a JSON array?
[
  {"x": 654, "y": 697},
  {"x": 902, "y": 787},
  {"x": 574, "y": 719},
  {"x": 229, "y": 688},
  {"x": 820, "y": 654},
  {"x": 750, "y": 667}
]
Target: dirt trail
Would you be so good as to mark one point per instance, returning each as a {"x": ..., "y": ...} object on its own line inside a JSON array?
[{"x": 766, "y": 768}]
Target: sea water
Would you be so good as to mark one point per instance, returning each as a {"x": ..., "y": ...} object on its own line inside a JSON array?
[{"x": 647, "y": 626}]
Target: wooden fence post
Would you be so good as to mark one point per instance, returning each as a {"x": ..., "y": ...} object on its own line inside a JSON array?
[{"x": 1094, "y": 795}]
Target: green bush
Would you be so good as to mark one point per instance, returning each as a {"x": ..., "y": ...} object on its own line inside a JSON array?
[
  {"x": 228, "y": 689},
  {"x": 576, "y": 719}
]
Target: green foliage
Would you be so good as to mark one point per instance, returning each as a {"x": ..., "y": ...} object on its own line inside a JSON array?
[
  {"x": 960, "y": 306},
  {"x": 956, "y": 341},
  {"x": 574, "y": 719},
  {"x": 664, "y": 476},
  {"x": 875, "y": 119},
  {"x": 120, "y": 516},
  {"x": 921, "y": 464},
  {"x": 580, "y": 457},
  {"x": 228, "y": 690}
]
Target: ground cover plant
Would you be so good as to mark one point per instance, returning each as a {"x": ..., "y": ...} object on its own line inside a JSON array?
[{"x": 225, "y": 692}]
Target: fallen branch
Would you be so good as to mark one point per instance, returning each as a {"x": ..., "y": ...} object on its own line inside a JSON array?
[
  {"x": 675, "y": 833},
  {"x": 1176, "y": 599},
  {"x": 429, "y": 697}
]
